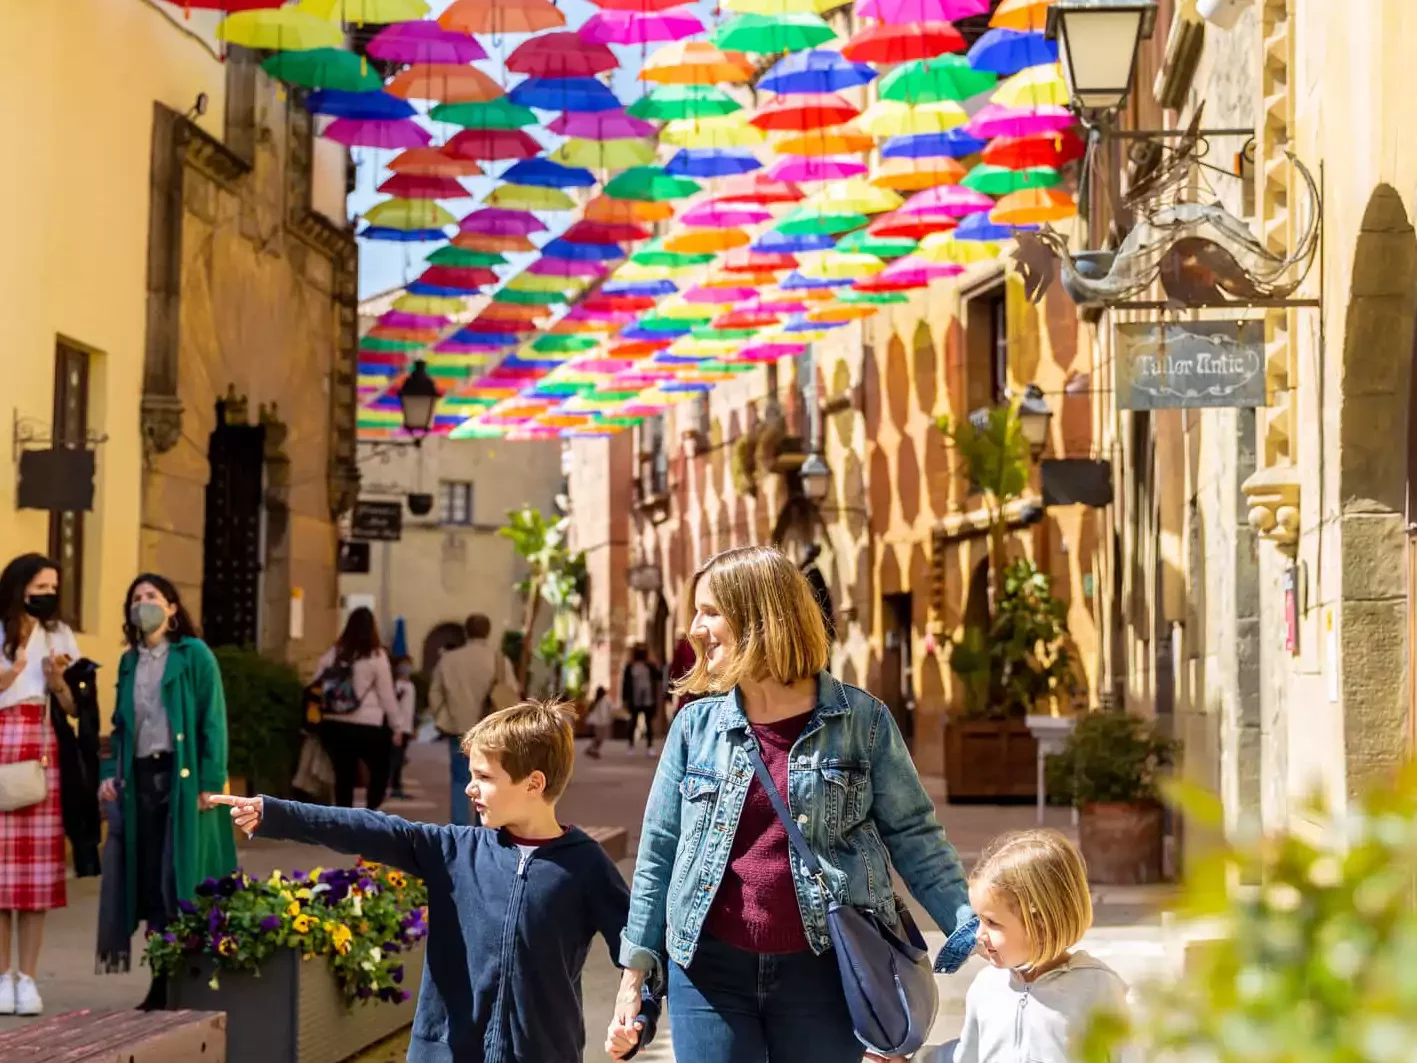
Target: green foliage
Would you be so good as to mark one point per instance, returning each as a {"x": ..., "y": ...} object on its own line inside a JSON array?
[
  {"x": 1316, "y": 962},
  {"x": 1110, "y": 757},
  {"x": 556, "y": 576},
  {"x": 264, "y": 712},
  {"x": 996, "y": 453},
  {"x": 971, "y": 661}
]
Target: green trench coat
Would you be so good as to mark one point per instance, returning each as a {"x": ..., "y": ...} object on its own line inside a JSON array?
[{"x": 202, "y": 842}]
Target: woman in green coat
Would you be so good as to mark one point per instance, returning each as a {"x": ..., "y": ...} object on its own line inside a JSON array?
[{"x": 168, "y": 758}]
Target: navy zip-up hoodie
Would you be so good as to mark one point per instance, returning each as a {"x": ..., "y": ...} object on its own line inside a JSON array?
[{"x": 508, "y": 932}]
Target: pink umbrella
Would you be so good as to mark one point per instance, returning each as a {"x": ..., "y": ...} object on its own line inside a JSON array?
[
  {"x": 564, "y": 267},
  {"x": 603, "y": 125},
  {"x": 725, "y": 216},
  {"x": 777, "y": 306},
  {"x": 377, "y": 133},
  {"x": 561, "y": 55},
  {"x": 797, "y": 169},
  {"x": 719, "y": 295},
  {"x": 497, "y": 221},
  {"x": 632, "y": 27},
  {"x": 996, "y": 121},
  {"x": 399, "y": 319},
  {"x": 952, "y": 201},
  {"x": 769, "y": 352},
  {"x": 916, "y": 271},
  {"x": 424, "y": 42},
  {"x": 899, "y": 12}
]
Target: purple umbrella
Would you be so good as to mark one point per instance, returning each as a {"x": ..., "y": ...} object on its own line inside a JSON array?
[
  {"x": 996, "y": 121},
  {"x": 769, "y": 352},
  {"x": 633, "y": 27},
  {"x": 424, "y": 42},
  {"x": 797, "y": 169},
  {"x": 953, "y": 201},
  {"x": 498, "y": 221},
  {"x": 725, "y": 215},
  {"x": 564, "y": 267},
  {"x": 399, "y": 319},
  {"x": 776, "y": 306},
  {"x": 374, "y": 133},
  {"x": 602, "y": 125}
]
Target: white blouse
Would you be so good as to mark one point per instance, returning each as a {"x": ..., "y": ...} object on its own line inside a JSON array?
[{"x": 30, "y": 685}]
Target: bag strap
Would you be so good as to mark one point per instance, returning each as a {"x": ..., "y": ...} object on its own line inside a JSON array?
[{"x": 794, "y": 833}]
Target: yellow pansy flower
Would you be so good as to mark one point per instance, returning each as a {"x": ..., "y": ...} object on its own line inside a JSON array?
[
  {"x": 292, "y": 909},
  {"x": 301, "y": 924}
]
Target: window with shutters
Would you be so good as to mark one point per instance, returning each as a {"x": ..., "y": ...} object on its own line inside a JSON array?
[{"x": 455, "y": 502}]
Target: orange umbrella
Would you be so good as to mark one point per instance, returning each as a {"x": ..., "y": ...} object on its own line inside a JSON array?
[
  {"x": 411, "y": 335},
  {"x": 489, "y": 242},
  {"x": 1033, "y": 206},
  {"x": 842, "y": 312},
  {"x": 619, "y": 211},
  {"x": 513, "y": 312},
  {"x": 1027, "y": 16},
  {"x": 431, "y": 162},
  {"x": 444, "y": 82},
  {"x": 705, "y": 241},
  {"x": 501, "y": 16},
  {"x": 912, "y": 175},
  {"x": 695, "y": 63},
  {"x": 840, "y": 140}
]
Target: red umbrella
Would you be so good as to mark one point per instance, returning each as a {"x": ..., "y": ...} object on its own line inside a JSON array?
[
  {"x": 415, "y": 186},
  {"x": 798, "y": 113},
  {"x": 615, "y": 304},
  {"x": 740, "y": 319},
  {"x": 605, "y": 232},
  {"x": 561, "y": 55},
  {"x": 638, "y": 348},
  {"x": 492, "y": 145},
  {"x": 745, "y": 261},
  {"x": 431, "y": 162},
  {"x": 757, "y": 188},
  {"x": 1044, "y": 149},
  {"x": 495, "y": 325},
  {"x": 913, "y": 228},
  {"x": 643, "y": 7},
  {"x": 900, "y": 44},
  {"x": 230, "y": 6},
  {"x": 458, "y": 276}
]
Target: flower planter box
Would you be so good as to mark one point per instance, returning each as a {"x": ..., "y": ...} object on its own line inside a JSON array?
[
  {"x": 990, "y": 761},
  {"x": 1121, "y": 843},
  {"x": 292, "y": 1011}
]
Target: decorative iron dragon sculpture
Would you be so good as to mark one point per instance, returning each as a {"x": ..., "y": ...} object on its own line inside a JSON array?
[{"x": 1201, "y": 253}]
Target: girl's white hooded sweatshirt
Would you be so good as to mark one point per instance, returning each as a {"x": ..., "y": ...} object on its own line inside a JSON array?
[{"x": 1008, "y": 1020}]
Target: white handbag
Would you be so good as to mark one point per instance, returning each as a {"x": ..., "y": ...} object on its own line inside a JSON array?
[{"x": 22, "y": 784}]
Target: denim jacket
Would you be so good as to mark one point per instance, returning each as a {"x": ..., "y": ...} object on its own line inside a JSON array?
[{"x": 856, "y": 795}]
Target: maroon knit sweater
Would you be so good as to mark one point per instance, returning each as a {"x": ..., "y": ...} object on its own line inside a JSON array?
[{"x": 755, "y": 908}]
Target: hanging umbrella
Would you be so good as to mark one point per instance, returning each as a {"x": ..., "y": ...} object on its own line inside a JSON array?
[
  {"x": 1042, "y": 149},
  {"x": 695, "y": 63},
  {"x": 605, "y": 154},
  {"x": 855, "y": 296},
  {"x": 561, "y": 55},
  {"x": 633, "y": 27},
  {"x": 815, "y": 71},
  {"x": 902, "y": 12},
  {"x": 890, "y": 118},
  {"x": 230, "y": 6},
  {"x": 809, "y": 220},
  {"x": 773, "y": 242},
  {"x": 359, "y": 133},
  {"x": 996, "y": 121},
  {"x": 1009, "y": 51},
  {"x": 376, "y": 106},
  {"x": 496, "y": 221},
  {"x": 323, "y": 68},
  {"x": 650, "y": 183},
  {"x": 529, "y": 197},
  {"x": 564, "y": 94},
  {"x": 954, "y": 201},
  {"x": 772, "y": 8},
  {"x": 490, "y": 145},
  {"x": 911, "y": 175},
  {"x": 497, "y": 243},
  {"x": 456, "y": 256},
  {"x": 424, "y": 42},
  {"x": 999, "y": 181},
  {"x": 500, "y": 113},
  {"x": 758, "y": 188},
  {"x": 415, "y": 186},
  {"x": 713, "y": 215},
  {"x": 1033, "y": 206},
  {"x": 719, "y": 296},
  {"x": 1035, "y": 86},
  {"x": 978, "y": 227},
  {"x": 841, "y": 313},
  {"x": 499, "y": 17},
  {"x": 458, "y": 277},
  {"x": 721, "y": 131},
  {"x": 667, "y": 102},
  {"x": 766, "y": 34},
  {"x": 441, "y": 81},
  {"x": 802, "y": 112},
  {"x": 842, "y": 266},
  {"x": 431, "y": 162},
  {"x": 655, "y": 254},
  {"x": 639, "y": 6},
  {"x": 547, "y": 174},
  {"x": 866, "y": 243},
  {"x": 601, "y": 125},
  {"x": 705, "y": 241},
  {"x": 711, "y": 162},
  {"x": 1030, "y": 16},
  {"x": 804, "y": 168},
  {"x": 604, "y": 208},
  {"x": 883, "y": 43},
  {"x": 841, "y": 140},
  {"x": 401, "y": 236},
  {"x": 945, "y": 77},
  {"x": 956, "y": 144},
  {"x": 281, "y": 29},
  {"x": 911, "y": 227},
  {"x": 855, "y": 195},
  {"x": 948, "y": 247}
]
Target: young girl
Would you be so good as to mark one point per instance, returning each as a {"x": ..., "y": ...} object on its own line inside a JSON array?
[
  {"x": 1030, "y": 893},
  {"x": 600, "y": 717}
]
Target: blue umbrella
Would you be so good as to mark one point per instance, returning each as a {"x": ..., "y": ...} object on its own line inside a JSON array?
[
  {"x": 955, "y": 144},
  {"x": 979, "y": 227},
  {"x": 1006, "y": 52},
  {"x": 776, "y": 243},
  {"x": 576, "y": 95},
  {"x": 678, "y": 359},
  {"x": 635, "y": 332},
  {"x": 424, "y": 288},
  {"x": 711, "y": 162},
  {"x": 400, "y": 647},
  {"x": 402, "y": 236},
  {"x": 547, "y": 174},
  {"x": 486, "y": 339},
  {"x": 684, "y": 385},
  {"x": 368, "y": 369},
  {"x": 369, "y": 106},
  {"x": 804, "y": 325},
  {"x": 649, "y": 288},
  {"x": 795, "y": 282},
  {"x": 559, "y": 248},
  {"x": 815, "y": 71}
]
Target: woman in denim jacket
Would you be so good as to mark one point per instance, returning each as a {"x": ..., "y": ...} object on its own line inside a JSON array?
[{"x": 720, "y": 906}]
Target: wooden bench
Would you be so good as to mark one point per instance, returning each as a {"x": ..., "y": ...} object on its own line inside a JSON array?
[
  {"x": 119, "y": 1037},
  {"x": 614, "y": 840}
]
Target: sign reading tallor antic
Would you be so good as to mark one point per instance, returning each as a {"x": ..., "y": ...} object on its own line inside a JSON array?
[{"x": 1190, "y": 364}]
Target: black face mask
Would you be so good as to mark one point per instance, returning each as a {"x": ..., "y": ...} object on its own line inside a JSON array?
[{"x": 43, "y": 607}]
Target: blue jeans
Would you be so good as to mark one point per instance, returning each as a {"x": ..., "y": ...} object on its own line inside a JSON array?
[
  {"x": 459, "y": 775},
  {"x": 732, "y": 1006}
]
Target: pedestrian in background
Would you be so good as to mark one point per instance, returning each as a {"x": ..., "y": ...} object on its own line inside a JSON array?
[
  {"x": 360, "y": 711},
  {"x": 600, "y": 718},
  {"x": 35, "y": 648},
  {"x": 407, "y": 695},
  {"x": 641, "y": 694}
]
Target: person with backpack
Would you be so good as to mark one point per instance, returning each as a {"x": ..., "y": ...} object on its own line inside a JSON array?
[{"x": 360, "y": 712}]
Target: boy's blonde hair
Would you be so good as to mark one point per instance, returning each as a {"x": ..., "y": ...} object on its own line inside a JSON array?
[
  {"x": 773, "y": 614},
  {"x": 1044, "y": 879},
  {"x": 527, "y": 737}
]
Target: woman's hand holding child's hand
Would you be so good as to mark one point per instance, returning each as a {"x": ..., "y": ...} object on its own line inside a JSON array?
[{"x": 245, "y": 811}]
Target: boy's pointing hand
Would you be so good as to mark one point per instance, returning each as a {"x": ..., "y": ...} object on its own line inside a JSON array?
[{"x": 245, "y": 811}]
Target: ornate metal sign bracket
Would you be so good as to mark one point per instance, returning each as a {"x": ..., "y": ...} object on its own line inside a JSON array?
[{"x": 29, "y": 433}]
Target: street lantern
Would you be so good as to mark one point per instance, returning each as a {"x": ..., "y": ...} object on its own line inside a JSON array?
[
  {"x": 418, "y": 398},
  {"x": 1034, "y": 416},
  {"x": 816, "y": 477},
  {"x": 1097, "y": 47}
]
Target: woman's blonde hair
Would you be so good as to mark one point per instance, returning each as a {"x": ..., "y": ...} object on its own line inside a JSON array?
[
  {"x": 1044, "y": 879},
  {"x": 776, "y": 622}
]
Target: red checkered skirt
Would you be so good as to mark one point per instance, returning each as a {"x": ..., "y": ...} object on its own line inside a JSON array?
[{"x": 32, "y": 861}]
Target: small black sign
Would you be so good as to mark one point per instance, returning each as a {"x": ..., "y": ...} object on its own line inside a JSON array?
[
  {"x": 59, "y": 479},
  {"x": 353, "y": 558},
  {"x": 378, "y": 521}
]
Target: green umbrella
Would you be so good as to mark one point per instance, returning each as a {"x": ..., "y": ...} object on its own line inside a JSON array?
[
  {"x": 449, "y": 372},
  {"x": 463, "y": 259},
  {"x": 725, "y": 333},
  {"x": 611, "y": 396},
  {"x": 863, "y": 243},
  {"x": 650, "y": 184},
  {"x": 769, "y": 34},
  {"x": 1000, "y": 181},
  {"x": 324, "y": 68},
  {"x": 661, "y": 324},
  {"x": 565, "y": 388},
  {"x": 873, "y": 298},
  {"x": 727, "y": 367},
  {"x": 508, "y": 295},
  {"x": 618, "y": 422},
  {"x": 805, "y": 221},
  {"x": 653, "y": 254},
  {"x": 668, "y": 102},
  {"x": 464, "y": 402},
  {"x": 500, "y": 113},
  {"x": 557, "y": 344},
  {"x": 374, "y": 343},
  {"x": 475, "y": 431},
  {"x": 946, "y": 77}
]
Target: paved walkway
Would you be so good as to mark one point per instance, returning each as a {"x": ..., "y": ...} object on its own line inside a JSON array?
[{"x": 607, "y": 792}]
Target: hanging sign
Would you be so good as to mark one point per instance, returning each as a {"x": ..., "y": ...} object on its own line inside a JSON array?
[
  {"x": 1190, "y": 364},
  {"x": 377, "y": 521}
]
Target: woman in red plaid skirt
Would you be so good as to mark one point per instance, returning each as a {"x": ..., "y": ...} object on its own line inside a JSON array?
[{"x": 35, "y": 648}]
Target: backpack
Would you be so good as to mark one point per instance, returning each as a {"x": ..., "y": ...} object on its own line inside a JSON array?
[{"x": 335, "y": 689}]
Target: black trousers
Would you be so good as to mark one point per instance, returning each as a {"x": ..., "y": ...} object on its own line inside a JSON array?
[
  {"x": 152, "y": 782},
  {"x": 397, "y": 755},
  {"x": 636, "y": 711},
  {"x": 349, "y": 744}
]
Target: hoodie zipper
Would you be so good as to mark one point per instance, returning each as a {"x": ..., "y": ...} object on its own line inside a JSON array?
[
  {"x": 1018, "y": 1024},
  {"x": 514, "y": 904}
]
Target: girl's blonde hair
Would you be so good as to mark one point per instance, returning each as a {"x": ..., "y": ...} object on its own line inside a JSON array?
[
  {"x": 776, "y": 622},
  {"x": 1044, "y": 879}
]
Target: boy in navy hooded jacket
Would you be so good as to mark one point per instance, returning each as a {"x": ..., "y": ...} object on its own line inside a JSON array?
[{"x": 512, "y": 905}]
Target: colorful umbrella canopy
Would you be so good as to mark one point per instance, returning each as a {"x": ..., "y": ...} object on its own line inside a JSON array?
[
  {"x": 711, "y": 162},
  {"x": 377, "y": 12},
  {"x": 721, "y": 131},
  {"x": 1027, "y": 15},
  {"x": 564, "y": 94},
  {"x": 445, "y": 82},
  {"x": 945, "y": 77},
  {"x": 801, "y": 112},
  {"x": 842, "y": 266},
  {"x": 855, "y": 195},
  {"x": 773, "y": 33},
  {"x": 810, "y": 220},
  {"x": 604, "y": 208},
  {"x": 489, "y": 145},
  {"x": 371, "y": 105},
  {"x": 1043, "y": 149},
  {"x": 642, "y": 6},
  {"x": 496, "y": 221},
  {"x": 713, "y": 215},
  {"x": 668, "y": 102},
  {"x": 804, "y": 168},
  {"x": 547, "y": 174},
  {"x": 561, "y": 55},
  {"x": 651, "y": 184},
  {"x": 815, "y": 72},
  {"x": 1033, "y": 206},
  {"x": 866, "y": 243},
  {"x": 901, "y": 12},
  {"x": 416, "y": 186},
  {"x": 978, "y": 227},
  {"x": 996, "y": 121},
  {"x": 456, "y": 256},
  {"x": 954, "y": 201},
  {"x": 323, "y": 68},
  {"x": 956, "y": 144},
  {"x": 424, "y": 42},
  {"x": 884, "y": 43},
  {"x": 229, "y": 6},
  {"x": 501, "y": 16},
  {"x": 911, "y": 175},
  {"x": 431, "y": 162},
  {"x": 840, "y": 140},
  {"x": 705, "y": 241},
  {"x": 780, "y": 7},
  {"x": 948, "y": 247},
  {"x": 500, "y": 113},
  {"x": 529, "y": 197},
  {"x": 493, "y": 242},
  {"x": 890, "y": 118},
  {"x": 281, "y": 29},
  {"x": 360, "y": 133},
  {"x": 632, "y": 27},
  {"x": 695, "y": 63},
  {"x": 601, "y": 125},
  {"x": 402, "y": 236},
  {"x": 1009, "y": 51},
  {"x": 758, "y": 188},
  {"x": 999, "y": 181},
  {"x": 911, "y": 227},
  {"x": 1036, "y": 86},
  {"x": 605, "y": 154}
]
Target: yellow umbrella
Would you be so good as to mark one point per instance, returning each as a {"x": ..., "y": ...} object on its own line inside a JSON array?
[
  {"x": 695, "y": 63},
  {"x": 938, "y": 248},
  {"x": 913, "y": 175},
  {"x": 688, "y": 347},
  {"x": 634, "y": 271},
  {"x": 280, "y": 29},
  {"x": 409, "y": 214},
  {"x": 780, "y": 7},
  {"x": 1036, "y": 86},
  {"x": 678, "y": 310},
  {"x": 838, "y": 140},
  {"x": 706, "y": 241},
  {"x": 430, "y": 304},
  {"x": 605, "y": 154},
  {"x": 843, "y": 312},
  {"x": 380, "y": 12},
  {"x": 855, "y": 195},
  {"x": 721, "y": 131},
  {"x": 840, "y": 266},
  {"x": 529, "y": 197},
  {"x": 892, "y": 118},
  {"x": 535, "y": 282}
]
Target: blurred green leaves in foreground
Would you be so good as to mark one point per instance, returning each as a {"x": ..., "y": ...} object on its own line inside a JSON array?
[{"x": 1316, "y": 960}]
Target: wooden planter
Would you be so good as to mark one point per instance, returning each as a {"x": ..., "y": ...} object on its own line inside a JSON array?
[
  {"x": 294, "y": 1012},
  {"x": 990, "y": 761},
  {"x": 1122, "y": 844}
]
